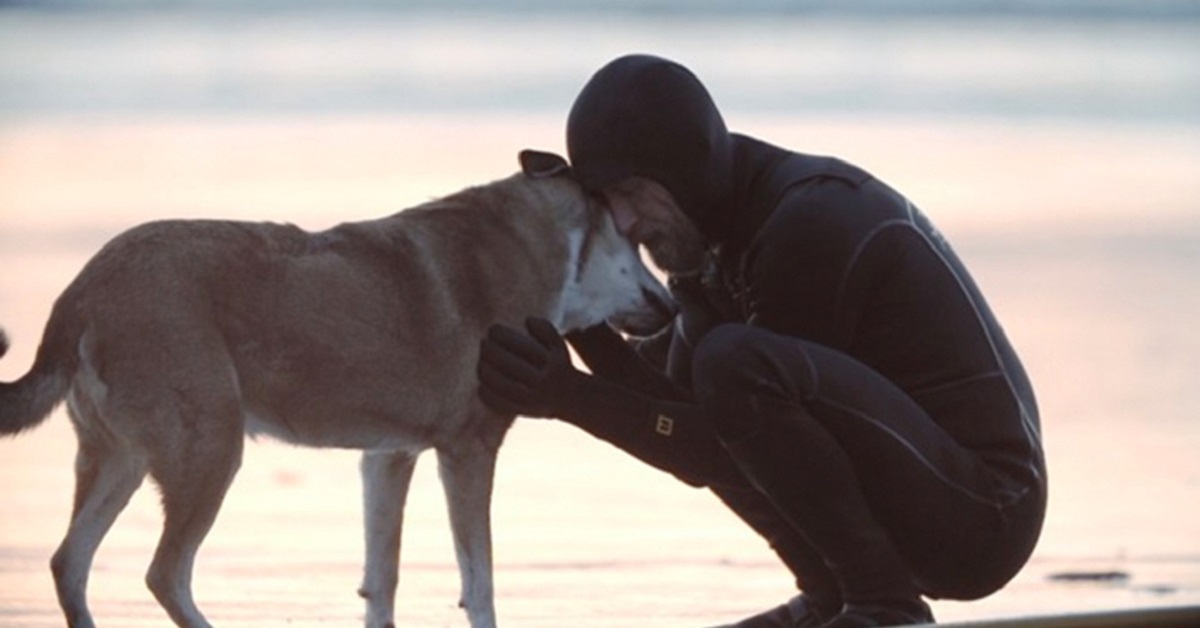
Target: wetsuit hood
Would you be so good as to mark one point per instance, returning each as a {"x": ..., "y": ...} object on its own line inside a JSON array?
[{"x": 641, "y": 115}]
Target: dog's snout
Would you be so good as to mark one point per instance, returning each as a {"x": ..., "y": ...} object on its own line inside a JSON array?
[
  {"x": 656, "y": 310},
  {"x": 664, "y": 307}
]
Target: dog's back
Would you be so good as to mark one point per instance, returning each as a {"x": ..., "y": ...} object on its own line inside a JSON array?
[{"x": 391, "y": 308}]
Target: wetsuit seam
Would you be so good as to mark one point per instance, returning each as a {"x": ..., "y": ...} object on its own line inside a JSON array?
[
  {"x": 988, "y": 500},
  {"x": 859, "y": 249},
  {"x": 814, "y": 374},
  {"x": 958, "y": 382},
  {"x": 1026, "y": 421}
]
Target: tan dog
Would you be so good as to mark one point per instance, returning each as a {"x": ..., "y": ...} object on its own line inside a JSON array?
[{"x": 180, "y": 337}]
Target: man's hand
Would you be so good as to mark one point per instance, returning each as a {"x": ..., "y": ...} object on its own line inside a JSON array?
[
  {"x": 531, "y": 375},
  {"x": 696, "y": 315},
  {"x": 704, "y": 301}
]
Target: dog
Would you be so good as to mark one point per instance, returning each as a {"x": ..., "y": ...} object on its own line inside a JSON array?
[{"x": 180, "y": 337}]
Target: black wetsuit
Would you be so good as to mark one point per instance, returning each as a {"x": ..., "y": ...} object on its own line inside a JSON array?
[{"x": 860, "y": 403}]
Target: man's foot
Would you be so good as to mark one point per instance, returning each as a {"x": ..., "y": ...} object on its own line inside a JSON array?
[
  {"x": 871, "y": 615},
  {"x": 797, "y": 613}
]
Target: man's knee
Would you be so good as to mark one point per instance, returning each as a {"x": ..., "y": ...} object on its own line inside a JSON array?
[
  {"x": 729, "y": 370},
  {"x": 724, "y": 356},
  {"x": 738, "y": 370}
]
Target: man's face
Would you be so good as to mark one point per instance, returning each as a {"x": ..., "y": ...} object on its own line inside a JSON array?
[{"x": 645, "y": 212}]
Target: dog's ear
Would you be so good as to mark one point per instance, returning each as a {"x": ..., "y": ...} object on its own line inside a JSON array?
[{"x": 537, "y": 164}]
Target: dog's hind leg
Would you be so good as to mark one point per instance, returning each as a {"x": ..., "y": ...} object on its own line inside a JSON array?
[
  {"x": 193, "y": 465},
  {"x": 386, "y": 477},
  {"x": 467, "y": 474},
  {"x": 107, "y": 472}
]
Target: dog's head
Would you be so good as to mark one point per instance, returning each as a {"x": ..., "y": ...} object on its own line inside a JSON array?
[{"x": 607, "y": 279}]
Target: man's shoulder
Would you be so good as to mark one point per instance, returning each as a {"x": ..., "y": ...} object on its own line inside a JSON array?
[
  {"x": 796, "y": 199},
  {"x": 782, "y": 167}
]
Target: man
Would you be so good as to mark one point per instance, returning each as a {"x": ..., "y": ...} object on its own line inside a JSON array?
[{"x": 835, "y": 375}]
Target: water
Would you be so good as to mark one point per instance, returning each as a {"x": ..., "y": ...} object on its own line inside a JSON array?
[
  {"x": 371, "y": 60},
  {"x": 1057, "y": 148}
]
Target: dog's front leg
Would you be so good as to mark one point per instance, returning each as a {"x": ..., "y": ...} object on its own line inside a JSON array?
[
  {"x": 386, "y": 478},
  {"x": 466, "y": 474}
]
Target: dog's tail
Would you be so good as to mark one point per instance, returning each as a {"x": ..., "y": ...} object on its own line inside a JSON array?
[{"x": 27, "y": 402}]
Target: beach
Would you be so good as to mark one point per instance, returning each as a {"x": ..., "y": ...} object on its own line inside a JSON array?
[{"x": 1082, "y": 231}]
